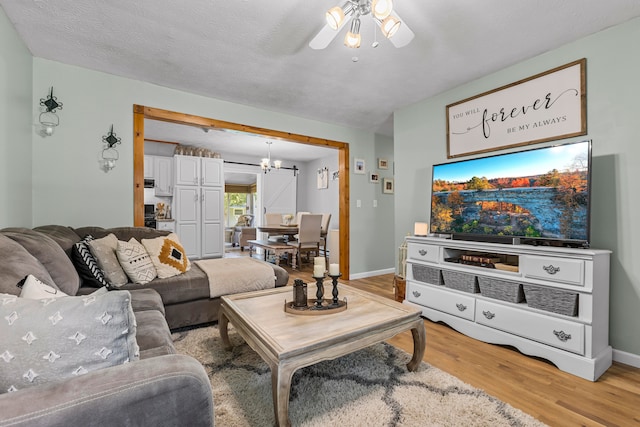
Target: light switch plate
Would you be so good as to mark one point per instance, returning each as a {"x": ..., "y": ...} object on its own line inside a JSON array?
[{"x": 358, "y": 203}]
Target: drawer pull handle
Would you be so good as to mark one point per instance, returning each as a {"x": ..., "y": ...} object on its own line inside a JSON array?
[
  {"x": 550, "y": 269},
  {"x": 422, "y": 252},
  {"x": 562, "y": 336},
  {"x": 461, "y": 307},
  {"x": 489, "y": 315},
  {"x": 416, "y": 294}
]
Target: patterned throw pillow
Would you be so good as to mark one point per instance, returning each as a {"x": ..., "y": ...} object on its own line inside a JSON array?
[
  {"x": 136, "y": 262},
  {"x": 87, "y": 265},
  {"x": 32, "y": 288},
  {"x": 104, "y": 250},
  {"x": 53, "y": 339},
  {"x": 167, "y": 255}
]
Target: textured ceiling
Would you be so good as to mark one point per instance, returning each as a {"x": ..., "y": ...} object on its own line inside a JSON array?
[{"x": 256, "y": 52}]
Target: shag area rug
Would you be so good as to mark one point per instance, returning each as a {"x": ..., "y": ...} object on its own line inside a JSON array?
[{"x": 371, "y": 387}]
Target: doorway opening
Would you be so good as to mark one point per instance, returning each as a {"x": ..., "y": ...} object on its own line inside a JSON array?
[{"x": 140, "y": 113}]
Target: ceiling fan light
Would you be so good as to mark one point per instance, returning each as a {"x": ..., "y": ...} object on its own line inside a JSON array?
[
  {"x": 390, "y": 26},
  {"x": 334, "y": 17},
  {"x": 381, "y": 8},
  {"x": 352, "y": 39}
]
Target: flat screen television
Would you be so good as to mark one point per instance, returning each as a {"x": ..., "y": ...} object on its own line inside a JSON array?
[{"x": 539, "y": 196}]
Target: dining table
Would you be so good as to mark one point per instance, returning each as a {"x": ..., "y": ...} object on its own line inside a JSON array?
[{"x": 285, "y": 230}]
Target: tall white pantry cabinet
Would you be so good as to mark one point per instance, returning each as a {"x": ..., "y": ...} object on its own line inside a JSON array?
[{"x": 199, "y": 205}]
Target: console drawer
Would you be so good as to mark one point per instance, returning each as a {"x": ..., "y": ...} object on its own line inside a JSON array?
[
  {"x": 552, "y": 331},
  {"x": 423, "y": 252},
  {"x": 442, "y": 300},
  {"x": 570, "y": 271}
]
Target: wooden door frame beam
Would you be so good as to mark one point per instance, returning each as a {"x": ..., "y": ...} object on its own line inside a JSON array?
[{"x": 141, "y": 112}]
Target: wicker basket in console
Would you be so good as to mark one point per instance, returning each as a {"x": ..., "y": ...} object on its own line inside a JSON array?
[
  {"x": 501, "y": 289},
  {"x": 460, "y": 281},
  {"x": 554, "y": 300},
  {"x": 425, "y": 274}
]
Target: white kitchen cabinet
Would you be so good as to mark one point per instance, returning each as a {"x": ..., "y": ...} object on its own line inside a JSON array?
[
  {"x": 561, "y": 315},
  {"x": 163, "y": 175},
  {"x": 199, "y": 206},
  {"x": 148, "y": 166}
]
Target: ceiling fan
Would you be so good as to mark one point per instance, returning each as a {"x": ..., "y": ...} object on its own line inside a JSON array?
[{"x": 381, "y": 12}]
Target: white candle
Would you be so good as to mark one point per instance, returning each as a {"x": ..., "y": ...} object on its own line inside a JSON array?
[
  {"x": 318, "y": 271},
  {"x": 420, "y": 229},
  {"x": 334, "y": 269},
  {"x": 319, "y": 260}
]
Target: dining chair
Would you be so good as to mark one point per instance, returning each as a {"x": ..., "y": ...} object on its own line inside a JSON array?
[
  {"x": 308, "y": 236},
  {"x": 273, "y": 220},
  {"x": 324, "y": 231}
]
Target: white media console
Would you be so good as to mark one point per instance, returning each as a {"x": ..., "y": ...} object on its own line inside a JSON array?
[{"x": 549, "y": 302}]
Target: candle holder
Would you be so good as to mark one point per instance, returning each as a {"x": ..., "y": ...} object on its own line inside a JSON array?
[
  {"x": 319, "y": 292},
  {"x": 334, "y": 280},
  {"x": 319, "y": 305}
]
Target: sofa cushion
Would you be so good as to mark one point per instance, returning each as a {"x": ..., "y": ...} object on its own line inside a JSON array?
[
  {"x": 168, "y": 255},
  {"x": 51, "y": 256},
  {"x": 57, "y": 338},
  {"x": 135, "y": 261},
  {"x": 153, "y": 335},
  {"x": 16, "y": 264},
  {"x": 32, "y": 288},
  {"x": 189, "y": 286},
  {"x": 104, "y": 250},
  {"x": 64, "y": 236},
  {"x": 87, "y": 265},
  {"x": 122, "y": 233}
]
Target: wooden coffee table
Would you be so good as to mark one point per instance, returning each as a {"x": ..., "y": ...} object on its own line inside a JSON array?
[{"x": 288, "y": 342}]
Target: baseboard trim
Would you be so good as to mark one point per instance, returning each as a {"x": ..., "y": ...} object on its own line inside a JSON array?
[
  {"x": 626, "y": 358},
  {"x": 371, "y": 273}
]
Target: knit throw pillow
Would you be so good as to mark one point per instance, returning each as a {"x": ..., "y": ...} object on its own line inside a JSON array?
[
  {"x": 167, "y": 255},
  {"x": 135, "y": 261},
  {"x": 53, "y": 339}
]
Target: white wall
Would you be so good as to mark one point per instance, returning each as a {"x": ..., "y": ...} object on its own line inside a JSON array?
[
  {"x": 312, "y": 199},
  {"x": 15, "y": 127},
  {"x": 68, "y": 186},
  {"x": 613, "y": 108}
]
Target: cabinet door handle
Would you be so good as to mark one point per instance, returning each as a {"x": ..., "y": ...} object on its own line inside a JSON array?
[
  {"x": 416, "y": 294},
  {"x": 550, "y": 269},
  {"x": 195, "y": 198},
  {"x": 422, "y": 252},
  {"x": 562, "y": 336},
  {"x": 461, "y": 307},
  {"x": 489, "y": 315}
]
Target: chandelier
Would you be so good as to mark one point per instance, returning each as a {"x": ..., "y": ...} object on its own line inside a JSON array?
[
  {"x": 380, "y": 10},
  {"x": 266, "y": 164}
]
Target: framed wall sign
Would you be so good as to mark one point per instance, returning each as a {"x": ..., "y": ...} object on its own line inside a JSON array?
[
  {"x": 358, "y": 166},
  {"x": 548, "y": 106}
]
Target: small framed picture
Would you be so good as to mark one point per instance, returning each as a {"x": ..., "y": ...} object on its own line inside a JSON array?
[
  {"x": 374, "y": 177},
  {"x": 323, "y": 179},
  {"x": 383, "y": 164},
  {"x": 387, "y": 185},
  {"x": 358, "y": 166},
  {"x": 335, "y": 175}
]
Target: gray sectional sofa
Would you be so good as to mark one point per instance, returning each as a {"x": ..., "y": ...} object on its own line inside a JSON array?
[{"x": 160, "y": 389}]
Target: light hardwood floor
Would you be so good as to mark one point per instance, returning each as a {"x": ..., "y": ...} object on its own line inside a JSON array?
[{"x": 533, "y": 385}]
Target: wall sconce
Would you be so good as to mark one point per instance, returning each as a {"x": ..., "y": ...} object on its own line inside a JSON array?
[
  {"x": 109, "y": 152},
  {"x": 48, "y": 118}
]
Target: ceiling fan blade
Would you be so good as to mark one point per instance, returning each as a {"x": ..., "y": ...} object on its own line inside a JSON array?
[
  {"x": 326, "y": 35},
  {"x": 404, "y": 35}
]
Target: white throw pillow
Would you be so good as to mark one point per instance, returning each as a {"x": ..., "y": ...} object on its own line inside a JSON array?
[
  {"x": 136, "y": 262},
  {"x": 32, "y": 288}
]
